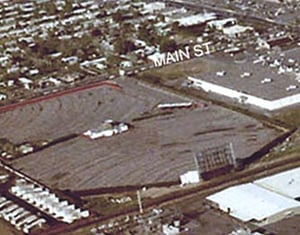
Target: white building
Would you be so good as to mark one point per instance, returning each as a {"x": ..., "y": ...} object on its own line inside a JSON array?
[
  {"x": 2, "y": 96},
  {"x": 244, "y": 98},
  {"x": 196, "y": 19},
  {"x": 285, "y": 183},
  {"x": 219, "y": 24},
  {"x": 190, "y": 177},
  {"x": 27, "y": 83},
  {"x": 170, "y": 229},
  {"x": 154, "y": 6},
  {"x": 107, "y": 129},
  {"x": 251, "y": 202},
  {"x": 236, "y": 30}
]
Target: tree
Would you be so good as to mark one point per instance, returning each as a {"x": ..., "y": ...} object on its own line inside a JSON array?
[
  {"x": 113, "y": 61},
  {"x": 123, "y": 45},
  {"x": 143, "y": 33},
  {"x": 96, "y": 32},
  {"x": 68, "y": 8},
  {"x": 127, "y": 28},
  {"x": 175, "y": 26},
  {"x": 50, "y": 8},
  {"x": 117, "y": 16},
  {"x": 101, "y": 14},
  {"x": 161, "y": 18},
  {"x": 148, "y": 33},
  {"x": 168, "y": 45}
]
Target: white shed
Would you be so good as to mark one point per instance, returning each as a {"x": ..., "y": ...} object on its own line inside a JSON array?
[{"x": 190, "y": 177}]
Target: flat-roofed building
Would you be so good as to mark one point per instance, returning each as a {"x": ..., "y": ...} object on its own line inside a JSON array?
[
  {"x": 252, "y": 203},
  {"x": 286, "y": 183}
]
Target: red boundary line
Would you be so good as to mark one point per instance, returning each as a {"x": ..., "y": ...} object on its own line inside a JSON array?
[{"x": 11, "y": 107}]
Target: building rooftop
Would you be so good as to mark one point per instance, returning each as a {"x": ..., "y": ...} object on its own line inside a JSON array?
[
  {"x": 251, "y": 202},
  {"x": 262, "y": 81},
  {"x": 286, "y": 183}
]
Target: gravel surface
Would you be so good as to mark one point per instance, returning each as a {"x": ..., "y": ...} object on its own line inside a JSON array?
[{"x": 159, "y": 148}]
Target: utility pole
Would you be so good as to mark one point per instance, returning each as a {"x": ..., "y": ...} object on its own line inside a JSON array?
[
  {"x": 139, "y": 198},
  {"x": 196, "y": 160}
]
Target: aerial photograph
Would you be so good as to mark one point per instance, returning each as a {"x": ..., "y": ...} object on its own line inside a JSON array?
[{"x": 145, "y": 117}]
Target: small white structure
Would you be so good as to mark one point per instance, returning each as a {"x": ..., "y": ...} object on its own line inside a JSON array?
[
  {"x": 236, "y": 30},
  {"x": 33, "y": 72},
  {"x": 291, "y": 87},
  {"x": 139, "y": 43},
  {"x": 107, "y": 129},
  {"x": 55, "y": 81},
  {"x": 4, "y": 60},
  {"x": 261, "y": 43},
  {"x": 70, "y": 60},
  {"x": 175, "y": 105},
  {"x": 55, "y": 55},
  {"x": 3, "y": 178},
  {"x": 220, "y": 24},
  {"x": 126, "y": 64},
  {"x": 170, "y": 229},
  {"x": 3, "y": 96},
  {"x": 99, "y": 63},
  {"x": 27, "y": 83},
  {"x": 122, "y": 72},
  {"x": 154, "y": 6},
  {"x": 266, "y": 80},
  {"x": 69, "y": 78},
  {"x": 38, "y": 223},
  {"x": 245, "y": 74},
  {"x": 196, "y": 19},
  {"x": 190, "y": 177},
  {"x": 26, "y": 148},
  {"x": 221, "y": 73},
  {"x": 242, "y": 231},
  {"x": 49, "y": 81}
]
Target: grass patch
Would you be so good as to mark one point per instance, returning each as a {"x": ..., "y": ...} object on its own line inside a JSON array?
[
  {"x": 171, "y": 72},
  {"x": 107, "y": 204},
  {"x": 291, "y": 116},
  {"x": 290, "y": 148},
  {"x": 178, "y": 70}
]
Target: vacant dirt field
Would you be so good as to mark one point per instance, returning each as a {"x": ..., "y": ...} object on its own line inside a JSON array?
[
  {"x": 159, "y": 148},
  {"x": 77, "y": 112},
  {"x": 6, "y": 229}
]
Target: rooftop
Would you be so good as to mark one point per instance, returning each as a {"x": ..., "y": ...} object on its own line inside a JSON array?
[
  {"x": 251, "y": 202},
  {"x": 235, "y": 69},
  {"x": 285, "y": 183}
]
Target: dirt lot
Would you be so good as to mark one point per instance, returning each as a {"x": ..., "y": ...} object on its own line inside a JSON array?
[
  {"x": 288, "y": 226},
  {"x": 75, "y": 113},
  {"x": 159, "y": 148},
  {"x": 6, "y": 229}
]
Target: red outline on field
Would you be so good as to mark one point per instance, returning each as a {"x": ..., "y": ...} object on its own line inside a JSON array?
[{"x": 11, "y": 107}]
